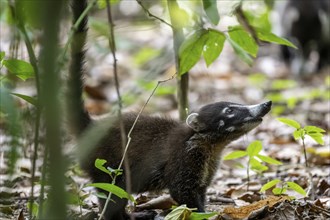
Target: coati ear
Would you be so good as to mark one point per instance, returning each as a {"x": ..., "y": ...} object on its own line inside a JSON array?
[{"x": 193, "y": 122}]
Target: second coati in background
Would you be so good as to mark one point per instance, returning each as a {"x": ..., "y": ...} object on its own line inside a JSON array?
[{"x": 163, "y": 153}]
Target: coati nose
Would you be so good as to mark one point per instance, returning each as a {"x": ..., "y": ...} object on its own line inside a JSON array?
[{"x": 267, "y": 104}]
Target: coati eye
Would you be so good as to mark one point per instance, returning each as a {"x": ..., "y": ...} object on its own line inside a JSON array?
[{"x": 227, "y": 110}]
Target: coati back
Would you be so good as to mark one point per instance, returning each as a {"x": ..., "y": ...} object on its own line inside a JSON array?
[{"x": 163, "y": 153}]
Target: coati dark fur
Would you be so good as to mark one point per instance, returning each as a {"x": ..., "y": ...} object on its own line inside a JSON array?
[{"x": 163, "y": 153}]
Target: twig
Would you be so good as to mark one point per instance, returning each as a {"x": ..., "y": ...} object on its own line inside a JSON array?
[
  {"x": 152, "y": 15},
  {"x": 245, "y": 23}
]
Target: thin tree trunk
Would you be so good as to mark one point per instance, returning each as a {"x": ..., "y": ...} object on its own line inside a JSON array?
[{"x": 182, "y": 80}]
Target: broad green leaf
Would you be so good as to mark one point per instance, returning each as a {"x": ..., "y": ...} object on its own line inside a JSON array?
[
  {"x": 211, "y": 10},
  {"x": 272, "y": 38},
  {"x": 269, "y": 160},
  {"x": 279, "y": 191},
  {"x": 213, "y": 46},
  {"x": 318, "y": 137},
  {"x": 243, "y": 39},
  {"x": 2, "y": 55},
  {"x": 20, "y": 68},
  {"x": 297, "y": 134},
  {"x": 257, "y": 166},
  {"x": 235, "y": 155},
  {"x": 179, "y": 213},
  {"x": 254, "y": 148},
  {"x": 201, "y": 215},
  {"x": 269, "y": 185},
  {"x": 294, "y": 186},
  {"x": 191, "y": 50},
  {"x": 240, "y": 51},
  {"x": 310, "y": 128},
  {"x": 116, "y": 190},
  {"x": 29, "y": 99},
  {"x": 99, "y": 164},
  {"x": 289, "y": 122},
  {"x": 258, "y": 18}
]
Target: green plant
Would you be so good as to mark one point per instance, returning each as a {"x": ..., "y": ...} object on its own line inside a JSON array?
[
  {"x": 254, "y": 158},
  {"x": 111, "y": 187},
  {"x": 314, "y": 132},
  {"x": 284, "y": 187},
  {"x": 184, "y": 213}
]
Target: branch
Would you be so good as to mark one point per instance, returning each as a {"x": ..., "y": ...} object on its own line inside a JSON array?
[{"x": 152, "y": 15}]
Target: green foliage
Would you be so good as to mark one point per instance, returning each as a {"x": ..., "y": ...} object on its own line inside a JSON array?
[
  {"x": 19, "y": 68},
  {"x": 111, "y": 188},
  {"x": 211, "y": 10},
  {"x": 314, "y": 132},
  {"x": 244, "y": 40},
  {"x": 255, "y": 158},
  {"x": 184, "y": 213},
  {"x": 34, "y": 207},
  {"x": 285, "y": 186}
]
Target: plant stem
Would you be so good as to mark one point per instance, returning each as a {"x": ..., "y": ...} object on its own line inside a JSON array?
[
  {"x": 248, "y": 175},
  {"x": 304, "y": 147},
  {"x": 182, "y": 80}
]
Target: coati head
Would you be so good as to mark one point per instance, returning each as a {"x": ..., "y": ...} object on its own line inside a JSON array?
[{"x": 226, "y": 119}]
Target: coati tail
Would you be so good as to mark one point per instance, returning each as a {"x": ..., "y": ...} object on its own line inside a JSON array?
[{"x": 78, "y": 117}]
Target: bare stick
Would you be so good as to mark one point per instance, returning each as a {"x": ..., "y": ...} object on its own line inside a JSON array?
[{"x": 152, "y": 15}]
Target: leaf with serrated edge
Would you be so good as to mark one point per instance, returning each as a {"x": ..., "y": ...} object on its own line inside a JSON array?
[
  {"x": 290, "y": 122},
  {"x": 20, "y": 68},
  {"x": 294, "y": 186},
  {"x": 269, "y": 185},
  {"x": 254, "y": 148},
  {"x": 269, "y": 160}
]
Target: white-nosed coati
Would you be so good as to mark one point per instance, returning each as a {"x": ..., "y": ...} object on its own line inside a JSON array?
[{"x": 163, "y": 153}]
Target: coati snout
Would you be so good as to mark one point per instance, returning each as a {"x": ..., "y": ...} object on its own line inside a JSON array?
[{"x": 226, "y": 118}]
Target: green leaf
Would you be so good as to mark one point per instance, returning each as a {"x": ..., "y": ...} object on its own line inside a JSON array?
[
  {"x": 242, "y": 54},
  {"x": 318, "y": 137},
  {"x": 290, "y": 122},
  {"x": 257, "y": 166},
  {"x": 99, "y": 164},
  {"x": 179, "y": 213},
  {"x": 243, "y": 39},
  {"x": 269, "y": 160},
  {"x": 269, "y": 185},
  {"x": 211, "y": 10},
  {"x": 297, "y": 134},
  {"x": 213, "y": 46},
  {"x": 310, "y": 128},
  {"x": 254, "y": 148},
  {"x": 20, "y": 68},
  {"x": 272, "y": 38},
  {"x": 2, "y": 55},
  {"x": 201, "y": 215},
  {"x": 116, "y": 190},
  {"x": 294, "y": 186},
  {"x": 191, "y": 50},
  {"x": 279, "y": 191},
  {"x": 235, "y": 155},
  {"x": 29, "y": 99}
]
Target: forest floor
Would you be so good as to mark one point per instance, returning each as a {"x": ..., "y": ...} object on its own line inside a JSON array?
[{"x": 302, "y": 98}]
